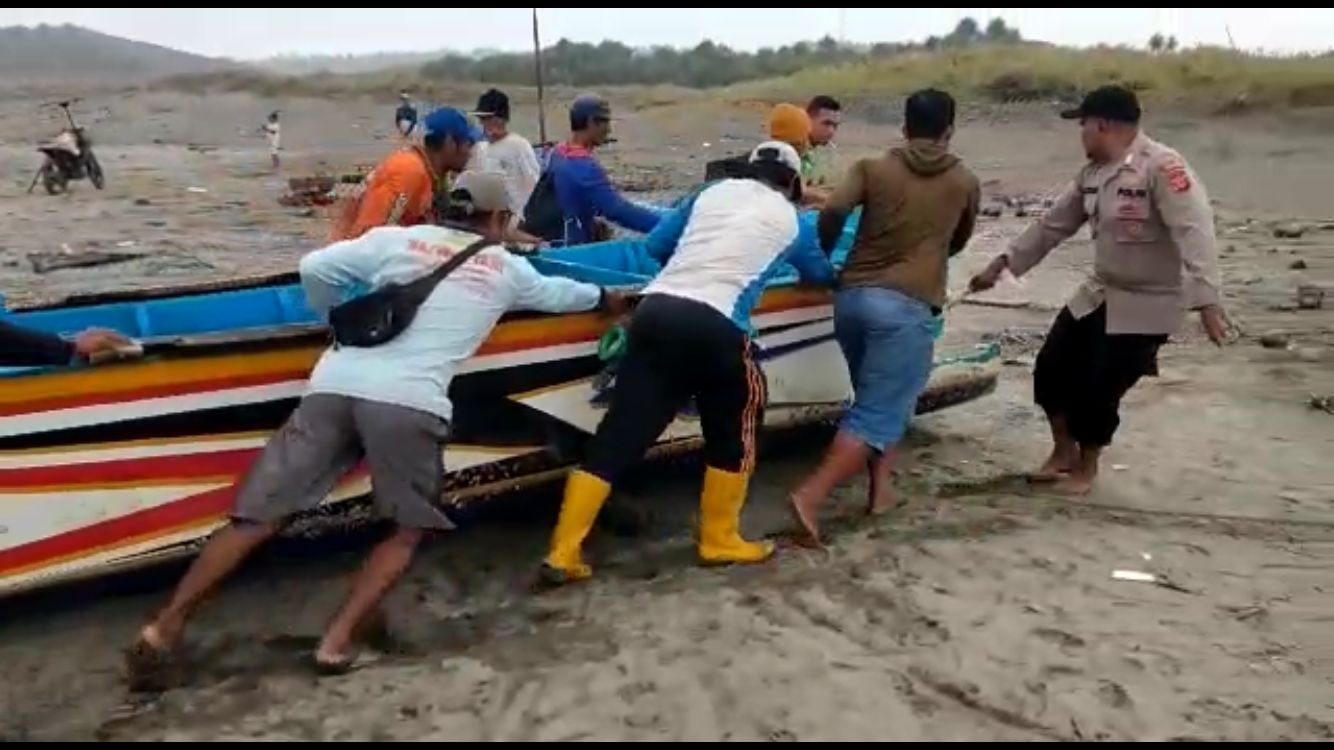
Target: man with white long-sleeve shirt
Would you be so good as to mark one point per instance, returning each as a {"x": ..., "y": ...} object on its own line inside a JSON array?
[{"x": 388, "y": 404}]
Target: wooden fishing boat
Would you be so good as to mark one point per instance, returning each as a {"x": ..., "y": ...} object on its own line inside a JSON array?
[{"x": 110, "y": 467}]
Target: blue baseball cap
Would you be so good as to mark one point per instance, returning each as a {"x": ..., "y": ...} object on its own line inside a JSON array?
[
  {"x": 589, "y": 107},
  {"x": 452, "y": 123}
]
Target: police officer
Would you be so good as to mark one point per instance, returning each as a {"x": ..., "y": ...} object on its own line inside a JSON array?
[{"x": 1155, "y": 259}]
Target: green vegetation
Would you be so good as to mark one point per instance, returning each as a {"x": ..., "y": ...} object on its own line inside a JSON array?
[
  {"x": 976, "y": 64},
  {"x": 1214, "y": 79},
  {"x": 707, "y": 65}
]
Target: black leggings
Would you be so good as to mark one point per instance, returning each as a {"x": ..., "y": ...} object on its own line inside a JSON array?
[
  {"x": 1083, "y": 372},
  {"x": 679, "y": 349}
]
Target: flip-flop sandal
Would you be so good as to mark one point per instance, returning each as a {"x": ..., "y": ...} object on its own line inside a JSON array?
[
  {"x": 148, "y": 667},
  {"x": 340, "y": 667}
]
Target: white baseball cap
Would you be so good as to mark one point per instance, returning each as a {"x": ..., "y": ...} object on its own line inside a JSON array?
[
  {"x": 777, "y": 151},
  {"x": 485, "y": 190}
]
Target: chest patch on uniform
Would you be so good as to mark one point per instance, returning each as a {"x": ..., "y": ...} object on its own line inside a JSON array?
[
  {"x": 1178, "y": 179},
  {"x": 1132, "y": 202}
]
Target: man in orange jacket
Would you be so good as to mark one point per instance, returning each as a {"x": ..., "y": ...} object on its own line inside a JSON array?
[{"x": 401, "y": 191}]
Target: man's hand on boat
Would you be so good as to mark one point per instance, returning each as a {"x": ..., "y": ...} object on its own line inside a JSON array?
[
  {"x": 98, "y": 345},
  {"x": 614, "y": 303}
]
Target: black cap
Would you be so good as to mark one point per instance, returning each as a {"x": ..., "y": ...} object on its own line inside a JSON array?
[
  {"x": 494, "y": 103},
  {"x": 1115, "y": 103}
]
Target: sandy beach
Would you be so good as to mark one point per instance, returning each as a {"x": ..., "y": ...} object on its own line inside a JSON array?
[{"x": 982, "y": 610}]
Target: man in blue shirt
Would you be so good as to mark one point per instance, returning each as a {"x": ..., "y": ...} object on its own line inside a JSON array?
[
  {"x": 583, "y": 192},
  {"x": 690, "y": 338}
]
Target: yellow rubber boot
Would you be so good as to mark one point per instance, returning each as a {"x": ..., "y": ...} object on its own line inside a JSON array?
[
  {"x": 585, "y": 495},
  {"x": 720, "y": 541}
]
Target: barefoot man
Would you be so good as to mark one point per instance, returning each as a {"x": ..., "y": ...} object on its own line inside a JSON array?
[
  {"x": 919, "y": 205},
  {"x": 388, "y": 404},
  {"x": 1155, "y": 258}
]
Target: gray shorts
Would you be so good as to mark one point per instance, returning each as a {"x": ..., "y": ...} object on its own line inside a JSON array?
[{"x": 326, "y": 436}]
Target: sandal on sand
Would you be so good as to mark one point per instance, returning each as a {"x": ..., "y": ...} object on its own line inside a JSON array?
[
  {"x": 341, "y": 666},
  {"x": 147, "y": 667}
]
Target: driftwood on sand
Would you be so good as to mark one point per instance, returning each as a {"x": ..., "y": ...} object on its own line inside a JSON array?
[{"x": 55, "y": 261}]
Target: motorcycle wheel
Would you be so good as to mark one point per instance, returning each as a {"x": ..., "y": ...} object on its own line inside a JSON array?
[
  {"x": 94, "y": 171},
  {"x": 53, "y": 179}
]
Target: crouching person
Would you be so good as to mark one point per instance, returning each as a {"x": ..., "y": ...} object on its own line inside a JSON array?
[
  {"x": 690, "y": 338},
  {"x": 385, "y": 401}
]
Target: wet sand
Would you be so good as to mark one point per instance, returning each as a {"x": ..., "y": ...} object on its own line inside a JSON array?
[{"x": 982, "y": 610}]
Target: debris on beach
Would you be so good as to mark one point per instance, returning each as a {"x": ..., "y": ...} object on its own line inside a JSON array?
[
  {"x": 1275, "y": 340},
  {"x": 320, "y": 189},
  {"x": 66, "y": 258},
  {"x": 1016, "y": 338},
  {"x": 641, "y": 180},
  {"x": 1134, "y": 576},
  {"x": 1310, "y": 297}
]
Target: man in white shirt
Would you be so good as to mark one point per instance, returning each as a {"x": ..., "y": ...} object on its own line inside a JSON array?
[
  {"x": 507, "y": 153},
  {"x": 690, "y": 338},
  {"x": 388, "y": 404}
]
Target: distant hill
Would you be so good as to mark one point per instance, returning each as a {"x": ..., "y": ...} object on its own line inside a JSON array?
[
  {"x": 300, "y": 65},
  {"x": 50, "y": 53}
]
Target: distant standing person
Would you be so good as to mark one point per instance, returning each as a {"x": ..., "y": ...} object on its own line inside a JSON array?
[
  {"x": 504, "y": 151},
  {"x": 1155, "y": 257},
  {"x": 273, "y": 131},
  {"x": 919, "y": 207},
  {"x": 405, "y": 117}
]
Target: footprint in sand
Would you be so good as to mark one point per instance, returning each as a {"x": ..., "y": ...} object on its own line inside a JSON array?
[
  {"x": 1059, "y": 637},
  {"x": 1114, "y": 695}
]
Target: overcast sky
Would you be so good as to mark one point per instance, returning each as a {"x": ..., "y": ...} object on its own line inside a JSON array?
[{"x": 251, "y": 33}]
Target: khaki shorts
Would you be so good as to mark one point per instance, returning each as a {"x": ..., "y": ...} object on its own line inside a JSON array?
[{"x": 326, "y": 437}]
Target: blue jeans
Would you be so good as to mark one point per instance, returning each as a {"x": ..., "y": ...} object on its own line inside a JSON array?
[{"x": 888, "y": 340}]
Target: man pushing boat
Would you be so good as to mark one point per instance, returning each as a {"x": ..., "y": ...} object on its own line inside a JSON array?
[
  {"x": 690, "y": 338},
  {"x": 381, "y": 394}
]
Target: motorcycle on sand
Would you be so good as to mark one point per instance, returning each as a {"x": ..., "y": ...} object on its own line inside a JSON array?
[{"x": 69, "y": 156}]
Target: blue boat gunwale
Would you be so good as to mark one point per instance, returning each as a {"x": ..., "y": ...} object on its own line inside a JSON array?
[{"x": 276, "y": 303}]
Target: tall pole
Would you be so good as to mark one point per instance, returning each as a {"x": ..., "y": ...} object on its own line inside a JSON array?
[{"x": 541, "y": 94}]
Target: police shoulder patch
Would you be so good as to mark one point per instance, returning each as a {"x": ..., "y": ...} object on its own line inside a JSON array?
[{"x": 1178, "y": 178}]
